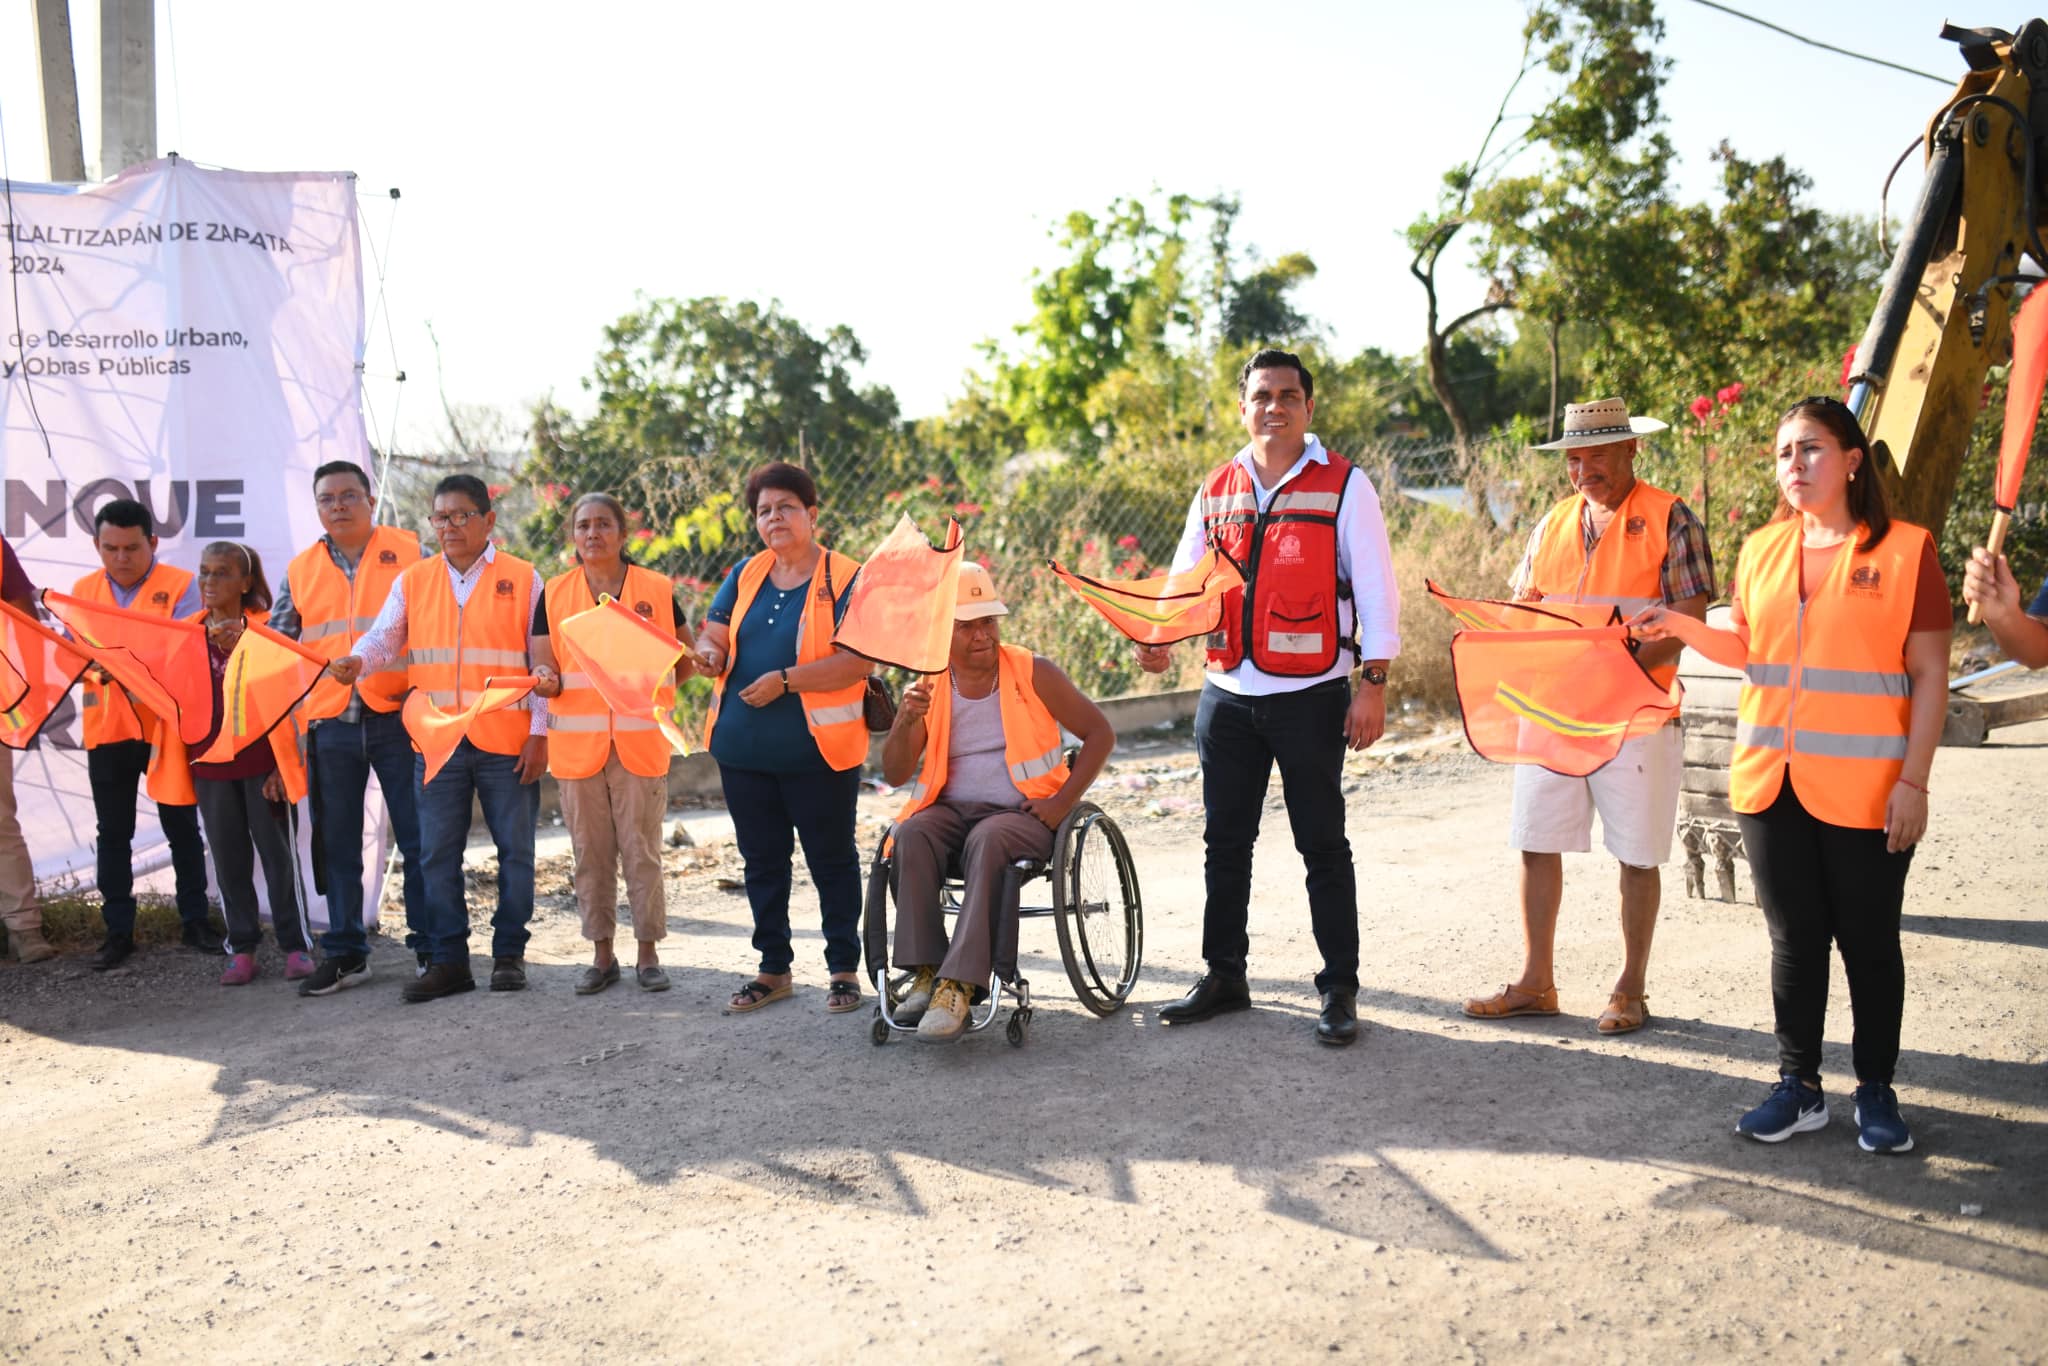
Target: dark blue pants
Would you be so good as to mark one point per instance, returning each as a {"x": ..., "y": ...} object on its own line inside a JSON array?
[
  {"x": 510, "y": 807},
  {"x": 115, "y": 772},
  {"x": 770, "y": 813},
  {"x": 344, "y": 754},
  {"x": 1239, "y": 740}
]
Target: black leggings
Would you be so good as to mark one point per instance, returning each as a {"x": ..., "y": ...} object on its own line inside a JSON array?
[{"x": 1822, "y": 883}]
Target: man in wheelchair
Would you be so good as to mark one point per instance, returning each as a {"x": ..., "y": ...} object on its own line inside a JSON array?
[{"x": 992, "y": 786}]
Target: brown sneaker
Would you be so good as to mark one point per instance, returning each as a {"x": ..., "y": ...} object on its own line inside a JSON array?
[
  {"x": 1511, "y": 1000},
  {"x": 946, "y": 1018},
  {"x": 29, "y": 946},
  {"x": 440, "y": 979}
]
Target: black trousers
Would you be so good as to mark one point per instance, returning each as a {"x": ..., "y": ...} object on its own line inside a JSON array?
[
  {"x": 1821, "y": 886},
  {"x": 771, "y": 812},
  {"x": 242, "y": 827},
  {"x": 1239, "y": 739},
  {"x": 115, "y": 772}
]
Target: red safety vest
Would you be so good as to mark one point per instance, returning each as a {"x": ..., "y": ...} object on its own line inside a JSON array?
[{"x": 1288, "y": 555}]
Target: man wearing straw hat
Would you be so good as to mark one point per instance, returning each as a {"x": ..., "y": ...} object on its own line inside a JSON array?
[{"x": 1616, "y": 540}]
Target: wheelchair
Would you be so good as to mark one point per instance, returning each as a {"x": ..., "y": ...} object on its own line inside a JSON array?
[{"x": 1094, "y": 906}]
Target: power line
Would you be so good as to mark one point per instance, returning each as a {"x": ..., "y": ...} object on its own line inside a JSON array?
[{"x": 1825, "y": 47}]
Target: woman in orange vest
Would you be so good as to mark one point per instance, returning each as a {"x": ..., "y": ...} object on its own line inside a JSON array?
[
  {"x": 244, "y": 804},
  {"x": 992, "y": 786},
  {"x": 1841, "y": 625},
  {"x": 612, "y": 770},
  {"x": 789, "y": 755}
]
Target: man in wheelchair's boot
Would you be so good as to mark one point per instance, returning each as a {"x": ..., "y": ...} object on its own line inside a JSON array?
[{"x": 992, "y": 785}]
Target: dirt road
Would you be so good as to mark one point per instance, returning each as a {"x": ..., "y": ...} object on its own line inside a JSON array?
[{"x": 239, "y": 1175}]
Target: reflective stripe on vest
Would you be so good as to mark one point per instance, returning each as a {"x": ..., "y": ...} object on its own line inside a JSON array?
[
  {"x": 1843, "y": 747},
  {"x": 834, "y": 718},
  {"x": 588, "y": 731},
  {"x": 1038, "y": 767},
  {"x": 1286, "y": 618}
]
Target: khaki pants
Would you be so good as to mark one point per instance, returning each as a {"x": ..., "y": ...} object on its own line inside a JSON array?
[
  {"x": 985, "y": 838},
  {"x": 18, "y": 908},
  {"x": 614, "y": 820}
]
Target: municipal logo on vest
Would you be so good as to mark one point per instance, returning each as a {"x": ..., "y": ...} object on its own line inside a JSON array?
[
  {"x": 1636, "y": 528},
  {"x": 387, "y": 557},
  {"x": 645, "y": 609},
  {"x": 504, "y": 589},
  {"x": 1867, "y": 582},
  {"x": 160, "y": 598},
  {"x": 1287, "y": 550}
]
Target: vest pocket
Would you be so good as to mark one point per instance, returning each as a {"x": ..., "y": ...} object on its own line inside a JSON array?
[{"x": 1297, "y": 628}]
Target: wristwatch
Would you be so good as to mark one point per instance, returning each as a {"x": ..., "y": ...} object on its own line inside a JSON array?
[{"x": 1375, "y": 675}]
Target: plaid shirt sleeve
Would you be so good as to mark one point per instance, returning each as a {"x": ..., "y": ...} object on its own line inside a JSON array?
[
  {"x": 1525, "y": 572},
  {"x": 1688, "y": 559}
]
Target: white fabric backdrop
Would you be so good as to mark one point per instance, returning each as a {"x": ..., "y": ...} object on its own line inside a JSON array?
[{"x": 191, "y": 338}]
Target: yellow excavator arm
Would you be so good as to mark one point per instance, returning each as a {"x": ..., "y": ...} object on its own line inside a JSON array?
[{"x": 1941, "y": 320}]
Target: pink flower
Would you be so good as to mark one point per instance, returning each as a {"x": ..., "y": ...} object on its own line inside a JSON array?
[
  {"x": 1130, "y": 566},
  {"x": 985, "y": 562},
  {"x": 894, "y": 496},
  {"x": 1088, "y": 548},
  {"x": 553, "y": 493},
  {"x": 931, "y": 481},
  {"x": 967, "y": 509},
  {"x": 1713, "y": 454},
  {"x": 1734, "y": 514},
  {"x": 643, "y": 535},
  {"x": 1848, "y": 365},
  {"x": 1127, "y": 541},
  {"x": 496, "y": 490},
  {"x": 1730, "y": 396},
  {"x": 1701, "y": 407}
]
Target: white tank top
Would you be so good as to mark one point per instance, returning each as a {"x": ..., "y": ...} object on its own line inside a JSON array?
[{"x": 975, "y": 768}]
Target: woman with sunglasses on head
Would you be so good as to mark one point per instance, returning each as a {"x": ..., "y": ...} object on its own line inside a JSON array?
[
  {"x": 789, "y": 755},
  {"x": 1840, "y": 624}
]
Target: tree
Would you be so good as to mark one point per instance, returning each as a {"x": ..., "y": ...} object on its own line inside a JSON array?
[
  {"x": 691, "y": 394},
  {"x": 1541, "y": 237}
]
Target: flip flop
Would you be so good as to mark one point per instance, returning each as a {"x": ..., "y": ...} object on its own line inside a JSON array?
[
  {"x": 752, "y": 995},
  {"x": 841, "y": 997}
]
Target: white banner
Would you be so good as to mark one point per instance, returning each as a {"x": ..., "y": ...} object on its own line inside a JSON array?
[{"x": 189, "y": 338}]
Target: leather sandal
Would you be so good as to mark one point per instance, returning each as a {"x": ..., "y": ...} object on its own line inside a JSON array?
[
  {"x": 754, "y": 994},
  {"x": 1624, "y": 1013},
  {"x": 1511, "y": 1000}
]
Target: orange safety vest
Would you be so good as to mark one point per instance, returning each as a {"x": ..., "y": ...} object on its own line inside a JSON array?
[
  {"x": 1031, "y": 737},
  {"x": 1825, "y": 693},
  {"x": 333, "y": 610},
  {"x": 834, "y": 718},
  {"x": 451, "y": 650},
  {"x": 582, "y": 730},
  {"x": 1287, "y": 608},
  {"x": 109, "y": 716},
  {"x": 1626, "y": 567},
  {"x": 169, "y": 778}
]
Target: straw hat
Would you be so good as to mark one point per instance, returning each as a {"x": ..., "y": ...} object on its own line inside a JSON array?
[
  {"x": 1600, "y": 422},
  {"x": 977, "y": 597}
]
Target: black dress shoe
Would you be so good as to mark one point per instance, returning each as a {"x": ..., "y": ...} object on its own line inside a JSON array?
[
  {"x": 113, "y": 951},
  {"x": 441, "y": 979},
  {"x": 508, "y": 974},
  {"x": 200, "y": 937},
  {"x": 1212, "y": 994},
  {"x": 1338, "y": 1024}
]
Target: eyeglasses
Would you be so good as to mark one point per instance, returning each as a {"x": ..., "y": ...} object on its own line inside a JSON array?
[
  {"x": 441, "y": 521},
  {"x": 327, "y": 502}
]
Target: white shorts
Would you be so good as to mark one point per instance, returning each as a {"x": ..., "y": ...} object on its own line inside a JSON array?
[{"x": 1636, "y": 795}]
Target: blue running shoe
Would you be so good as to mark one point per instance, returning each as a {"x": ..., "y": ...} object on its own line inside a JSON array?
[
  {"x": 1877, "y": 1116},
  {"x": 1793, "y": 1108}
]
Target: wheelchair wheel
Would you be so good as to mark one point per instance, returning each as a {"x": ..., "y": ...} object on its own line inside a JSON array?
[{"x": 1096, "y": 910}]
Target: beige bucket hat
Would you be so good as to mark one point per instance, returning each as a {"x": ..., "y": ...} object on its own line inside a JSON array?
[{"x": 1599, "y": 422}]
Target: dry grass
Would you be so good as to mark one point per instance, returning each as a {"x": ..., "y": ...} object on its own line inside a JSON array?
[
  {"x": 1468, "y": 556},
  {"x": 74, "y": 921}
]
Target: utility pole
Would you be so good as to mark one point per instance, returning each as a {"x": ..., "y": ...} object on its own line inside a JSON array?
[
  {"x": 127, "y": 84},
  {"x": 61, "y": 138}
]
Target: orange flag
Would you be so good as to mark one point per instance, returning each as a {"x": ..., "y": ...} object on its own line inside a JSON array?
[
  {"x": 627, "y": 658},
  {"x": 266, "y": 676},
  {"x": 1165, "y": 608},
  {"x": 1536, "y": 688},
  {"x": 43, "y": 664},
  {"x": 162, "y": 663},
  {"x": 901, "y": 611},
  {"x": 436, "y": 733},
  {"x": 2023, "y": 389}
]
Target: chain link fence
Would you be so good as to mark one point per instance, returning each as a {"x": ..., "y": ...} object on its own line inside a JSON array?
[{"x": 1118, "y": 517}]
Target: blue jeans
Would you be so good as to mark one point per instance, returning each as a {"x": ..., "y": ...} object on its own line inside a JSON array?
[
  {"x": 770, "y": 813},
  {"x": 510, "y": 808},
  {"x": 1239, "y": 740},
  {"x": 115, "y": 773},
  {"x": 344, "y": 754}
]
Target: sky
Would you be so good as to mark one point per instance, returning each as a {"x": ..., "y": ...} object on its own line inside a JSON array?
[{"x": 896, "y": 167}]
